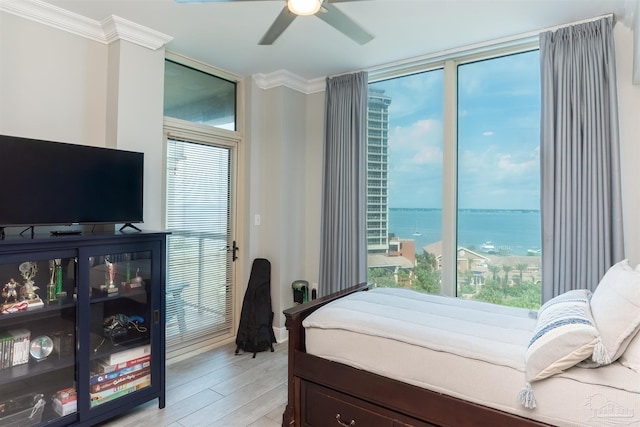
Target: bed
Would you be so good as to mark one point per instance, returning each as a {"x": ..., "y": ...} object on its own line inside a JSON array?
[{"x": 356, "y": 361}]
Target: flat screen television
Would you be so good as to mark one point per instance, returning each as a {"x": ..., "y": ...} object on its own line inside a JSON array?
[{"x": 54, "y": 183}]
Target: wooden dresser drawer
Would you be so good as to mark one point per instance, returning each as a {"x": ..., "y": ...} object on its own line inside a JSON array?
[{"x": 324, "y": 407}]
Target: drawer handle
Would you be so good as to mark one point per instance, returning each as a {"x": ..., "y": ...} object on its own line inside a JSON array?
[{"x": 343, "y": 424}]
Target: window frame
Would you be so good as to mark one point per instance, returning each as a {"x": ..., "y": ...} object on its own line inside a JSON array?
[
  {"x": 449, "y": 62},
  {"x": 216, "y": 72}
]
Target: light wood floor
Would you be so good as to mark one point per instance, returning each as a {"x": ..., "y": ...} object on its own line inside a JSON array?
[{"x": 218, "y": 388}]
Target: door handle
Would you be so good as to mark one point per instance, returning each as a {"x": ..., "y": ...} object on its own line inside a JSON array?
[{"x": 234, "y": 251}]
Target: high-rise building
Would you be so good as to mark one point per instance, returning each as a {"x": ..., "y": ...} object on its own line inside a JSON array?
[{"x": 377, "y": 171}]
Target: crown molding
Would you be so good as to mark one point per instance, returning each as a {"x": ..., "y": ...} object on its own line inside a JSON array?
[
  {"x": 109, "y": 30},
  {"x": 290, "y": 80},
  {"x": 116, "y": 28}
]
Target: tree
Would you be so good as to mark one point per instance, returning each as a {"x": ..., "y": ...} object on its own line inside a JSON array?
[
  {"x": 495, "y": 269},
  {"x": 427, "y": 276},
  {"x": 506, "y": 269},
  {"x": 404, "y": 277},
  {"x": 382, "y": 277},
  {"x": 521, "y": 268},
  {"x": 491, "y": 292}
]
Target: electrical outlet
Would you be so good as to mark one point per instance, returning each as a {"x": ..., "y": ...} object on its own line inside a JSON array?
[{"x": 256, "y": 219}]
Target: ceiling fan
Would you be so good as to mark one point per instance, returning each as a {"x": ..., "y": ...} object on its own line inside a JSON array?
[{"x": 323, "y": 9}]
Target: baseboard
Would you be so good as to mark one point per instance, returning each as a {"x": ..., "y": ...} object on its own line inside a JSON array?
[{"x": 281, "y": 334}]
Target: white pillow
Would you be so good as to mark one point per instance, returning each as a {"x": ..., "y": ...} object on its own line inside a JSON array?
[
  {"x": 615, "y": 305},
  {"x": 631, "y": 356},
  {"x": 564, "y": 335}
]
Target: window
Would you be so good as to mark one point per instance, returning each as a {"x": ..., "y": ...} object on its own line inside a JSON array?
[
  {"x": 499, "y": 180},
  {"x": 404, "y": 179},
  {"x": 477, "y": 194},
  {"x": 199, "y": 97}
]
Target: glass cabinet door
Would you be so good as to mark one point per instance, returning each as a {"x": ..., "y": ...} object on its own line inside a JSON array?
[
  {"x": 120, "y": 325},
  {"x": 37, "y": 338}
]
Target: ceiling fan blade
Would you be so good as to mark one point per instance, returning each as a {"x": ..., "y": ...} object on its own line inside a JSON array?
[
  {"x": 343, "y": 23},
  {"x": 279, "y": 25}
]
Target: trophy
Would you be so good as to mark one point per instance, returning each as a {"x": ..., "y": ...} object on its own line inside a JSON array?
[
  {"x": 136, "y": 282},
  {"x": 28, "y": 269},
  {"x": 10, "y": 291},
  {"x": 109, "y": 277}
]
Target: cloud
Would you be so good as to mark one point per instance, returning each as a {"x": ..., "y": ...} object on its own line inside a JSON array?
[
  {"x": 420, "y": 92},
  {"x": 419, "y": 144},
  {"x": 415, "y": 164},
  {"x": 512, "y": 167},
  {"x": 494, "y": 178}
]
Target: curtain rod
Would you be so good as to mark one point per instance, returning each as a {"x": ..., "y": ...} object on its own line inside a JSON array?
[
  {"x": 522, "y": 41},
  {"x": 582, "y": 21}
]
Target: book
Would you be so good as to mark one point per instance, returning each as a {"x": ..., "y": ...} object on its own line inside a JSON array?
[
  {"x": 21, "y": 342},
  {"x": 101, "y": 367},
  {"x": 6, "y": 347},
  {"x": 120, "y": 380},
  {"x": 96, "y": 379},
  {"x": 116, "y": 392},
  {"x": 127, "y": 355}
]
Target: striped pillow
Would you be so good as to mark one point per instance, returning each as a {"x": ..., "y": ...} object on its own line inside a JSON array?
[{"x": 564, "y": 335}]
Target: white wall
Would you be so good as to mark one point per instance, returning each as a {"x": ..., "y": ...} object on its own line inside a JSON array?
[
  {"x": 313, "y": 185},
  {"x": 281, "y": 186},
  {"x": 53, "y": 84}
]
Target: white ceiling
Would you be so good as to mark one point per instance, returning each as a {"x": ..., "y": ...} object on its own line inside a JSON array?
[{"x": 226, "y": 34}]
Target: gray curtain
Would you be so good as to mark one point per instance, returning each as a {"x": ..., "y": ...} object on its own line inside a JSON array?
[
  {"x": 343, "y": 253},
  {"x": 580, "y": 160}
]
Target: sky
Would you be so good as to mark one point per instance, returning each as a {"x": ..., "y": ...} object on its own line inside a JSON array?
[{"x": 498, "y": 135}]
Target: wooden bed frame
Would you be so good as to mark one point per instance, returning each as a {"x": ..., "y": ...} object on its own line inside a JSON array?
[{"x": 323, "y": 393}]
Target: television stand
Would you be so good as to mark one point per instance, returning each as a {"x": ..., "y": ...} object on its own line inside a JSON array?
[{"x": 129, "y": 225}]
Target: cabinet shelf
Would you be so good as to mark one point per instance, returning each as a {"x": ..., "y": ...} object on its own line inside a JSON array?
[
  {"x": 35, "y": 368},
  {"x": 120, "y": 294},
  {"x": 102, "y": 346},
  {"x": 39, "y": 313}
]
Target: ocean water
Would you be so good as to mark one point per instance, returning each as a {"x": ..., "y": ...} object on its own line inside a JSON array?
[{"x": 514, "y": 230}]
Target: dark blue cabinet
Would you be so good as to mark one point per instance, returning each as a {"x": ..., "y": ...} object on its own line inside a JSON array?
[{"x": 82, "y": 329}]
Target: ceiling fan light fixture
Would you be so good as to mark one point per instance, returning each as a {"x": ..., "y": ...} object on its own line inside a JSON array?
[{"x": 304, "y": 7}]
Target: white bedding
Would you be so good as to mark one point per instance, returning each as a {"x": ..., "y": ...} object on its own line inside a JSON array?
[{"x": 467, "y": 349}]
